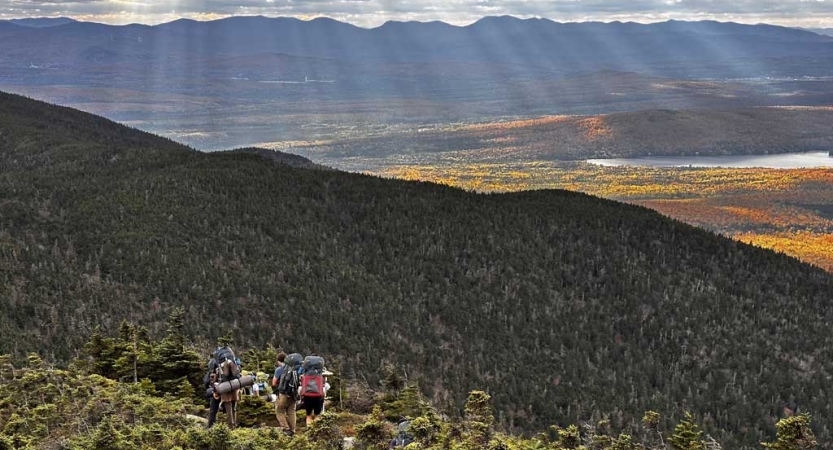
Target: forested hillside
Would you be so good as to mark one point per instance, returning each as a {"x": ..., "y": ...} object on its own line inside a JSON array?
[
  {"x": 618, "y": 135},
  {"x": 133, "y": 392},
  {"x": 564, "y": 307}
]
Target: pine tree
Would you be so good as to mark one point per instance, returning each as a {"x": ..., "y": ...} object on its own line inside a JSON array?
[
  {"x": 413, "y": 404},
  {"x": 174, "y": 362},
  {"x": 793, "y": 433},
  {"x": 375, "y": 432},
  {"x": 106, "y": 436},
  {"x": 479, "y": 419},
  {"x": 687, "y": 435}
]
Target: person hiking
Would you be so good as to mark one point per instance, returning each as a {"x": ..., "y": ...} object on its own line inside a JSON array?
[
  {"x": 226, "y": 368},
  {"x": 211, "y": 396},
  {"x": 327, "y": 387},
  {"x": 403, "y": 436},
  {"x": 276, "y": 378},
  {"x": 312, "y": 387},
  {"x": 288, "y": 384}
]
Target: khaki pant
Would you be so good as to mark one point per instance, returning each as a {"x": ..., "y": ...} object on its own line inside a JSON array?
[
  {"x": 285, "y": 410},
  {"x": 230, "y": 408}
]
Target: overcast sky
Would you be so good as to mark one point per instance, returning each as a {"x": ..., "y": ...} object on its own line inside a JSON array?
[{"x": 369, "y": 13}]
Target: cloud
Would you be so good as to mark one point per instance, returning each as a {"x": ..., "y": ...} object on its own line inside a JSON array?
[{"x": 812, "y": 13}]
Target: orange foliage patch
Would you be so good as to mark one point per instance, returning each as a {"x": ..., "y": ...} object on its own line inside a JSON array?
[
  {"x": 515, "y": 124},
  {"x": 595, "y": 128}
]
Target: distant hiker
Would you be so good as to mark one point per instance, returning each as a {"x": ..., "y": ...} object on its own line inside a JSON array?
[
  {"x": 288, "y": 386},
  {"x": 790, "y": 409},
  {"x": 226, "y": 368},
  {"x": 403, "y": 435},
  {"x": 312, "y": 387}
]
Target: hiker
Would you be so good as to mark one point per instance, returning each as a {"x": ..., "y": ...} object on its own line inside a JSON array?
[
  {"x": 288, "y": 386},
  {"x": 312, "y": 387},
  {"x": 327, "y": 387},
  {"x": 403, "y": 436},
  {"x": 226, "y": 368},
  {"x": 276, "y": 378},
  {"x": 213, "y": 399}
]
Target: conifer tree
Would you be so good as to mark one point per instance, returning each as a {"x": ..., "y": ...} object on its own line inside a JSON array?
[
  {"x": 793, "y": 433},
  {"x": 375, "y": 432},
  {"x": 687, "y": 435},
  {"x": 479, "y": 419},
  {"x": 174, "y": 362}
]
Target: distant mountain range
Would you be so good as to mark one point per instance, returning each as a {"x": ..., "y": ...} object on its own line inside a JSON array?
[
  {"x": 541, "y": 43},
  {"x": 41, "y": 22},
  {"x": 243, "y": 81}
]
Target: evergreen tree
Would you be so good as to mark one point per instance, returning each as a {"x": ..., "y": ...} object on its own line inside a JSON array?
[
  {"x": 794, "y": 433},
  {"x": 687, "y": 435},
  {"x": 479, "y": 419},
  {"x": 175, "y": 363}
]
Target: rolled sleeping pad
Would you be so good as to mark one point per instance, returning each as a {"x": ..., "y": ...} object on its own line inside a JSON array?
[
  {"x": 269, "y": 398},
  {"x": 233, "y": 385}
]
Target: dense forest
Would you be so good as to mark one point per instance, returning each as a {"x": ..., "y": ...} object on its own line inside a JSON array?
[
  {"x": 129, "y": 391},
  {"x": 564, "y": 307}
]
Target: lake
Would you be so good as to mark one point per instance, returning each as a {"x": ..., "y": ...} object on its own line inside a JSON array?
[{"x": 783, "y": 161}]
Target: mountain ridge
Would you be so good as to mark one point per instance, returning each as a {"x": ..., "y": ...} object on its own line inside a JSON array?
[
  {"x": 599, "y": 43},
  {"x": 60, "y": 21},
  {"x": 41, "y": 22}
]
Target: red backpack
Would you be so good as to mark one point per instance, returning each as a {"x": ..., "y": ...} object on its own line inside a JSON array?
[{"x": 312, "y": 385}]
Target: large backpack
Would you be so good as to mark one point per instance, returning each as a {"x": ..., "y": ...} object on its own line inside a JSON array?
[
  {"x": 312, "y": 384},
  {"x": 403, "y": 435},
  {"x": 227, "y": 367},
  {"x": 288, "y": 384}
]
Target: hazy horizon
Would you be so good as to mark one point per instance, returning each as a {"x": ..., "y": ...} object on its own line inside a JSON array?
[
  {"x": 206, "y": 18},
  {"x": 372, "y": 13}
]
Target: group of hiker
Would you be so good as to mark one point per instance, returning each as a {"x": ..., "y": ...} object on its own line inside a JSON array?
[{"x": 299, "y": 382}]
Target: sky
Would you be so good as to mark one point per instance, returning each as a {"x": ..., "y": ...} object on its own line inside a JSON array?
[{"x": 370, "y": 13}]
